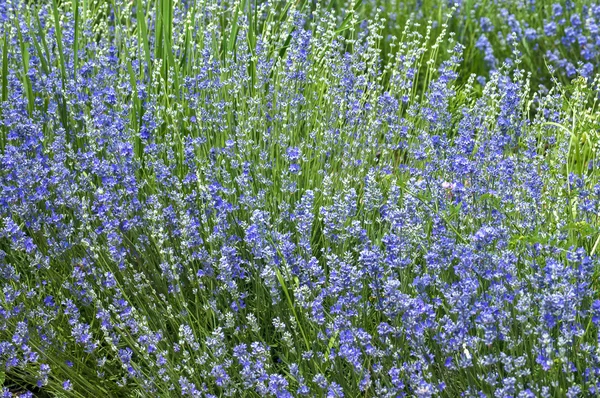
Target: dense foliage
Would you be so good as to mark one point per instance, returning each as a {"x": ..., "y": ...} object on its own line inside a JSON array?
[{"x": 230, "y": 198}]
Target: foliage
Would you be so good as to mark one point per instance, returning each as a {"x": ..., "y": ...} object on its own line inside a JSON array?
[{"x": 230, "y": 198}]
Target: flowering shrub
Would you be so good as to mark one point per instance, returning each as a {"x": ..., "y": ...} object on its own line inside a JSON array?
[
  {"x": 211, "y": 199},
  {"x": 557, "y": 39}
]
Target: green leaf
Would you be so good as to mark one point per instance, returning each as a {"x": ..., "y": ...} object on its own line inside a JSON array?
[
  {"x": 42, "y": 35},
  {"x": 143, "y": 36},
  {"x": 76, "y": 36},
  {"x": 25, "y": 61},
  {"x": 5, "y": 68},
  {"x": 158, "y": 47},
  {"x": 331, "y": 344},
  {"x": 292, "y": 307},
  {"x": 4, "y": 86},
  {"x": 43, "y": 61},
  {"x": 59, "y": 41},
  {"x": 346, "y": 23},
  {"x": 234, "y": 29}
]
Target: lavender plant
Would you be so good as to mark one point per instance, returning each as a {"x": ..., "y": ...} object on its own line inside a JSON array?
[
  {"x": 207, "y": 199},
  {"x": 556, "y": 39}
]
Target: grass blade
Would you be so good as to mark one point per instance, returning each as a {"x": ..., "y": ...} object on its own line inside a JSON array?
[
  {"x": 76, "y": 37},
  {"x": 4, "y": 86},
  {"x": 5, "y": 68},
  {"x": 25, "y": 61},
  {"x": 143, "y": 36},
  {"x": 59, "y": 41}
]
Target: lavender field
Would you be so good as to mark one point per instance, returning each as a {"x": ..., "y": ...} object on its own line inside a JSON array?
[{"x": 306, "y": 198}]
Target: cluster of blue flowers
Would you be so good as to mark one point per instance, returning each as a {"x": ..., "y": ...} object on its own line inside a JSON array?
[
  {"x": 206, "y": 199},
  {"x": 557, "y": 39},
  {"x": 568, "y": 36}
]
